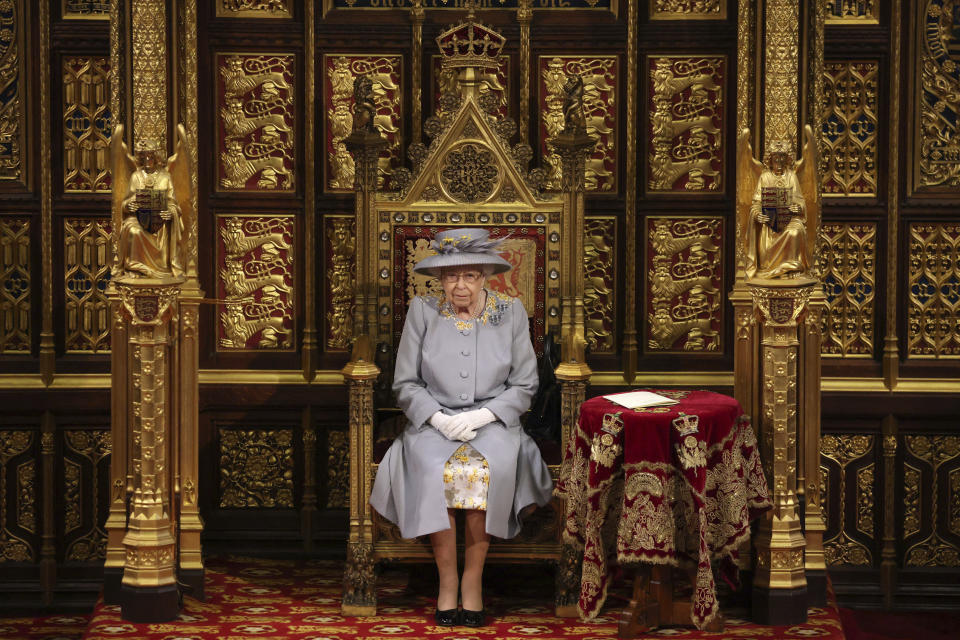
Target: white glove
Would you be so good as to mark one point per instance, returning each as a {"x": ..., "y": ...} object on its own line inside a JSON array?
[
  {"x": 466, "y": 424},
  {"x": 443, "y": 423}
]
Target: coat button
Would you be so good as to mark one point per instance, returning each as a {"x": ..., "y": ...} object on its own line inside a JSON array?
[
  {"x": 463, "y": 396},
  {"x": 465, "y": 352},
  {"x": 465, "y": 332},
  {"x": 463, "y": 373}
]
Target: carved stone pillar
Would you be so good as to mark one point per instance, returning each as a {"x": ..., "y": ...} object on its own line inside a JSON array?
[
  {"x": 116, "y": 525},
  {"x": 745, "y": 388},
  {"x": 187, "y": 481},
  {"x": 154, "y": 525},
  {"x": 359, "y": 578},
  {"x": 777, "y": 334},
  {"x": 149, "y": 588},
  {"x": 780, "y": 584},
  {"x": 808, "y": 482}
]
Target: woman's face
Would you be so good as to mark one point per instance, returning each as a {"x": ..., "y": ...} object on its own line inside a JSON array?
[{"x": 462, "y": 285}]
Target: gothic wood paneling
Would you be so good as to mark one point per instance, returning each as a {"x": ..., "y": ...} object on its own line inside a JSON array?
[
  {"x": 685, "y": 138},
  {"x": 601, "y": 84},
  {"x": 684, "y": 273},
  {"x": 256, "y": 281}
]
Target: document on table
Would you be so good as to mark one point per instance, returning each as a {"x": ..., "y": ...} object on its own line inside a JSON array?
[{"x": 635, "y": 399}]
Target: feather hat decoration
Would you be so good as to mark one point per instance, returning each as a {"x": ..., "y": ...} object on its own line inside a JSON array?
[{"x": 463, "y": 247}]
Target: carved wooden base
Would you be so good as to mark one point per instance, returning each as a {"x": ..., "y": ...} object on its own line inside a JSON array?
[
  {"x": 567, "y": 581},
  {"x": 192, "y": 582},
  {"x": 816, "y": 588},
  {"x": 112, "y": 582},
  {"x": 779, "y": 606},
  {"x": 150, "y": 604},
  {"x": 359, "y": 581},
  {"x": 652, "y": 604}
]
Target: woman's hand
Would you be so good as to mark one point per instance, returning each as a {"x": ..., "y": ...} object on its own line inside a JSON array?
[
  {"x": 462, "y": 426},
  {"x": 444, "y": 424},
  {"x": 469, "y": 422}
]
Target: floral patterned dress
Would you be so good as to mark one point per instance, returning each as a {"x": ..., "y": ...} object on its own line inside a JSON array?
[{"x": 466, "y": 477}]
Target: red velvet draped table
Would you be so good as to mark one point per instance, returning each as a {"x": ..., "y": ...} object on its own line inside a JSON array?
[{"x": 674, "y": 486}]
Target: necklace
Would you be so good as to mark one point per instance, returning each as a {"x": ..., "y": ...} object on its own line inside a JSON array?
[
  {"x": 480, "y": 306},
  {"x": 468, "y": 324}
]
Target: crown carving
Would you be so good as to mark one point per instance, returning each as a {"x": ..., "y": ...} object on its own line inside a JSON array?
[{"x": 470, "y": 44}]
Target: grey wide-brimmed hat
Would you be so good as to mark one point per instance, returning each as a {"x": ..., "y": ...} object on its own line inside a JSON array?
[{"x": 462, "y": 247}]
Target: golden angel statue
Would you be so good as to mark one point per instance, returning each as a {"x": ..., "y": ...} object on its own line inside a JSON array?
[
  {"x": 777, "y": 209},
  {"x": 151, "y": 207}
]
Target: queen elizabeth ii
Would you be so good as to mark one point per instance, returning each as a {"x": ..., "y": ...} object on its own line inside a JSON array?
[{"x": 465, "y": 372}]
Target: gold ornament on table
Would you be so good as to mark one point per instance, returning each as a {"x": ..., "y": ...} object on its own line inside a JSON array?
[
  {"x": 777, "y": 216},
  {"x": 151, "y": 207}
]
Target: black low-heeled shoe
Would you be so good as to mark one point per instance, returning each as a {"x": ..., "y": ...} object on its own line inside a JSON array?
[
  {"x": 473, "y": 618},
  {"x": 447, "y": 617}
]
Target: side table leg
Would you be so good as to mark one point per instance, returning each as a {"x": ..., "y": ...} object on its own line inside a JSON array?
[
  {"x": 661, "y": 586},
  {"x": 567, "y": 582},
  {"x": 643, "y": 613}
]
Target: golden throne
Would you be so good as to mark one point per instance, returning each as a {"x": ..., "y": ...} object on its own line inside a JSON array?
[{"x": 469, "y": 175}]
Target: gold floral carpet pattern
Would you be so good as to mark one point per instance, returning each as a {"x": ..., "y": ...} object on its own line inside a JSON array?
[{"x": 269, "y": 599}]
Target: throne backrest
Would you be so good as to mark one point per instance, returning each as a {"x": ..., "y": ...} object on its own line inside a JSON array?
[{"x": 526, "y": 248}]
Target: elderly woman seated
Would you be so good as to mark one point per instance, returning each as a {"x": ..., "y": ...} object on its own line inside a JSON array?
[{"x": 465, "y": 373}]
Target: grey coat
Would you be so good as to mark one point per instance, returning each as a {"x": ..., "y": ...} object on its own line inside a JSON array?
[{"x": 444, "y": 366}]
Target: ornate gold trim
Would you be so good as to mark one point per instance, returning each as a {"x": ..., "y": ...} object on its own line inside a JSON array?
[
  {"x": 782, "y": 71},
  {"x": 243, "y": 9},
  {"x": 932, "y": 141},
  {"x": 630, "y": 348},
  {"x": 47, "y": 347},
  {"x": 891, "y": 347},
  {"x": 67, "y": 14},
  {"x": 188, "y": 91},
  {"x": 14, "y": 167},
  {"x": 417, "y": 16},
  {"x": 871, "y": 14},
  {"x": 333, "y": 377},
  {"x": 148, "y": 35},
  {"x": 310, "y": 344},
  {"x": 687, "y": 11},
  {"x": 525, "y": 19}
]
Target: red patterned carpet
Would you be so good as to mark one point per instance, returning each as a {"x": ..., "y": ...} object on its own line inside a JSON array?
[
  {"x": 277, "y": 599},
  {"x": 56, "y": 627},
  {"x": 268, "y": 599}
]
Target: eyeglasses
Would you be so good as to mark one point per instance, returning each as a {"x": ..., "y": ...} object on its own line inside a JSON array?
[{"x": 470, "y": 277}]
